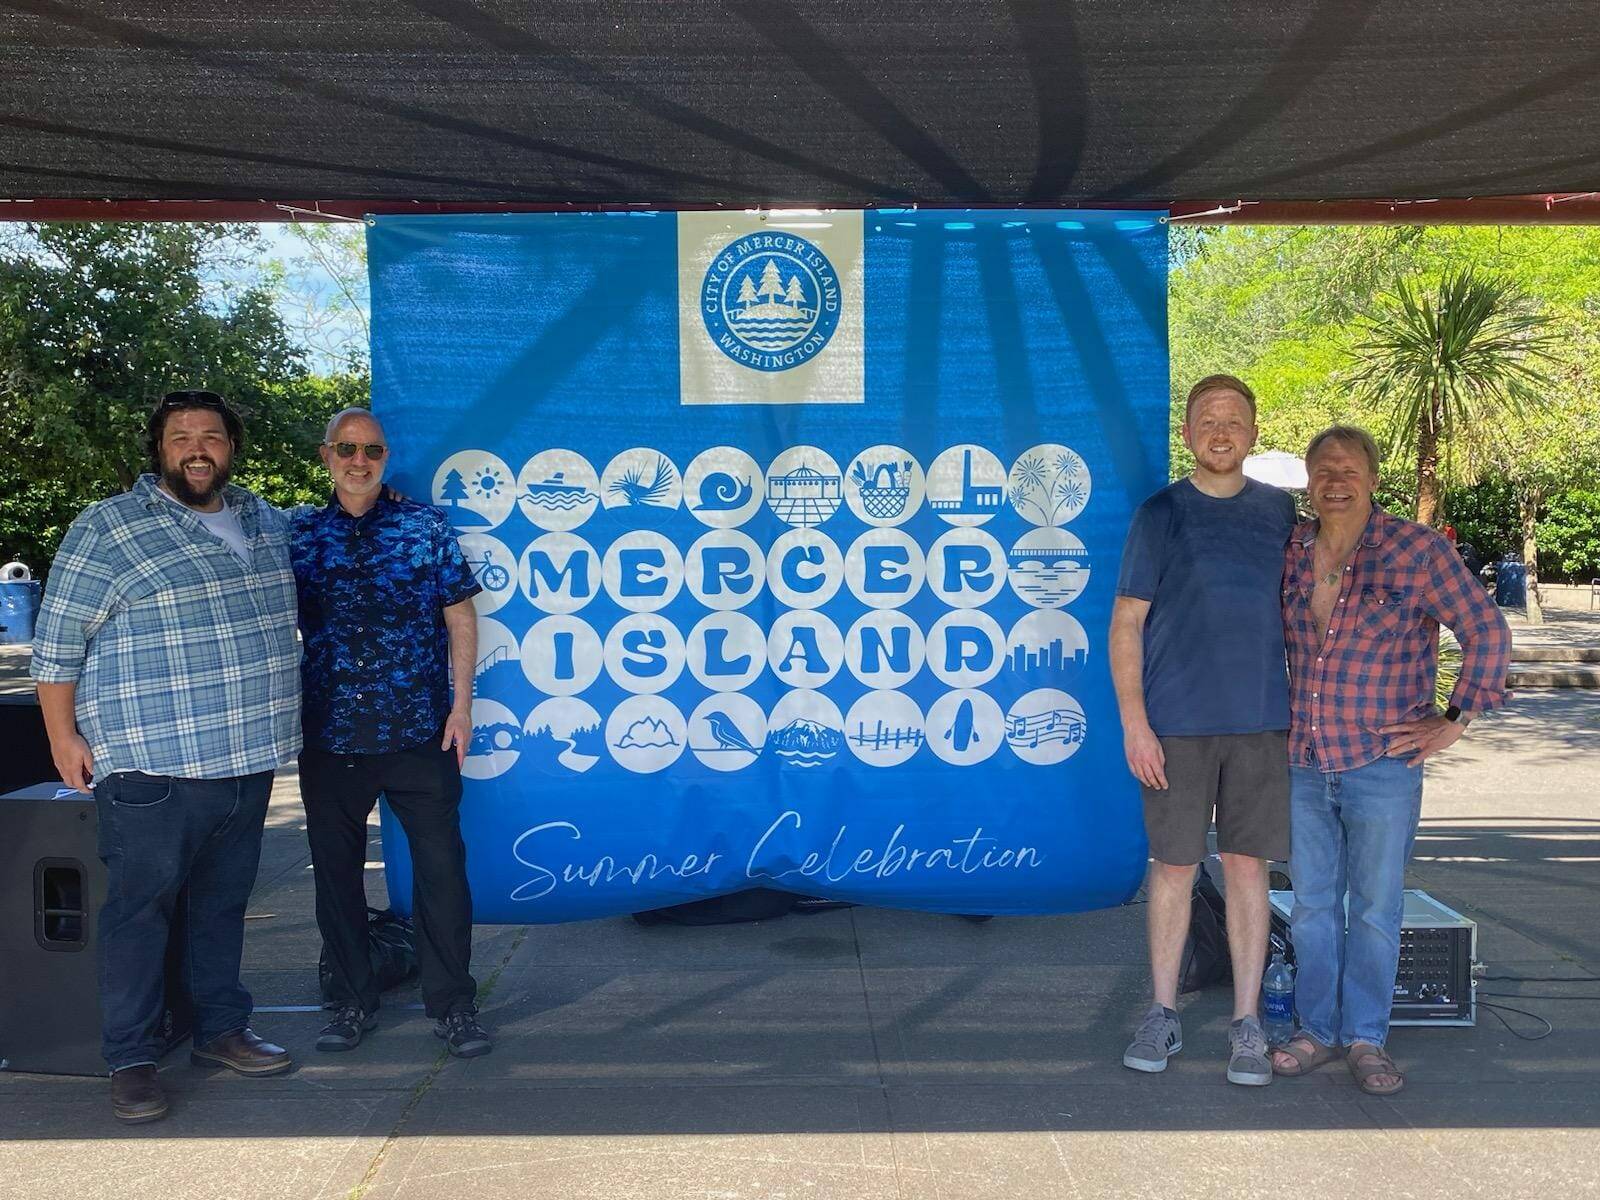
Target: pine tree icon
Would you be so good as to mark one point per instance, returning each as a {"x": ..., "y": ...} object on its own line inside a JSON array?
[
  {"x": 771, "y": 285},
  {"x": 747, "y": 292},
  {"x": 455, "y": 488}
]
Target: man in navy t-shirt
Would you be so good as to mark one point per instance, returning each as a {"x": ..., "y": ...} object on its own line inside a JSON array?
[{"x": 1198, "y": 661}]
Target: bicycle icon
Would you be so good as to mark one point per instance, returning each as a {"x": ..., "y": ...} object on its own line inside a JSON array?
[{"x": 490, "y": 573}]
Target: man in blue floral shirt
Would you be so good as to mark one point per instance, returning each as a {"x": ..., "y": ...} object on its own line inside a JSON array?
[{"x": 387, "y": 618}]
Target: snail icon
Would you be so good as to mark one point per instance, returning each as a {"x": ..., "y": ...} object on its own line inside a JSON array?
[{"x": 721, "y": 492}]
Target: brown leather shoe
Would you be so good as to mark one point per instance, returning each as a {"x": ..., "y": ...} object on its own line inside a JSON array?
[
  {"x": 244, "y": 1052},
  {"x": 136, "y": 1095}
]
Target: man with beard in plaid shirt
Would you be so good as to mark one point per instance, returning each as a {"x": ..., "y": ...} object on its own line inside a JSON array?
[{"x": 1364, "y": 594}]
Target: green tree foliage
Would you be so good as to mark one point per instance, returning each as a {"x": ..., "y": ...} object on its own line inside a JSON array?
[
  {"x": 97, "y": 320},
  {"x": 1454, "y": 367},
  {"x": 1569, "y": 535},
  {"x": 1282, "y": 308}
]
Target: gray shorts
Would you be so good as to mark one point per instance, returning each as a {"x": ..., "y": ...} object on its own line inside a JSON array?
[{"x": 1243, "y": 777}]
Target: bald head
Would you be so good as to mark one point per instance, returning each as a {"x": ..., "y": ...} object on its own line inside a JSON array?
[{"x": 337, "y": 433}]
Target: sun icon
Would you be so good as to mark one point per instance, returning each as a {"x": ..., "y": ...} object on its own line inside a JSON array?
[{"x": 487, "y": 482}]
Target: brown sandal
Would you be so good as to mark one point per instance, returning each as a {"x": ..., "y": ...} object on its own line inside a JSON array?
[
  {"x": 1308, "y": 1055},
  {"x": 1367, "y": 1061}
]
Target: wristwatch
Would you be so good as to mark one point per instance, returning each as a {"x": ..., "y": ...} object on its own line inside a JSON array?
[{"x": 1453, "y": 713}]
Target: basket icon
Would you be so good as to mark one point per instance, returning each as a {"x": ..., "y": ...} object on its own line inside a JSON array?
[{"x": 883, "y": 495}]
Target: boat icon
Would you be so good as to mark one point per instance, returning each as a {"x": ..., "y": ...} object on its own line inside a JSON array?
[{"x": 556, "y": 493}]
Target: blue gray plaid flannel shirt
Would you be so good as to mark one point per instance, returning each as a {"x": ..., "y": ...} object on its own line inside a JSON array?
[{"x": 185, "y": 659}]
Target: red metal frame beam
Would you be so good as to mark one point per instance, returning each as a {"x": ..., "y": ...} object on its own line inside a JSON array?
[{"x": 1581, "y": 208}]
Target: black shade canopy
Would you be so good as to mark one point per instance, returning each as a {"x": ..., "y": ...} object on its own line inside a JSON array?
[{"x": 796, "y": 102}]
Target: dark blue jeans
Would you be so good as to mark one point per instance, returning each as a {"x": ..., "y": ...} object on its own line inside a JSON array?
[{"x": 159, "y": 835}]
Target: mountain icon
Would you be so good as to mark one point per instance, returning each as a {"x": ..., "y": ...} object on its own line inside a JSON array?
[
  {"x": 805, "y": 743},
  {"x": 645, "y": 733}
]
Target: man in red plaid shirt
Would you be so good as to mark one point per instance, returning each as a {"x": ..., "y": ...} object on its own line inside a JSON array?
[{"x": 1364, "y": 594}]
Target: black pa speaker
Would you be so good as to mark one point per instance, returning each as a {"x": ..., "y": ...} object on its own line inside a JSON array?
[{"x": 52, "y": 884}]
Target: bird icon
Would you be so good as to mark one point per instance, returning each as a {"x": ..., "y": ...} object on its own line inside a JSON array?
[{"x": 727, "y": 733}]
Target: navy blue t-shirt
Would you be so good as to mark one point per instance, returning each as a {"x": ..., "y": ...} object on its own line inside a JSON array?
[{"x": 1212, "y": 570}]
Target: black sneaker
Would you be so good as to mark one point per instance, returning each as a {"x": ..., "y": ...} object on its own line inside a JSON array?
[
  {"x": 462, "y": 1034},
  {"x": 345, "y": 1030}
]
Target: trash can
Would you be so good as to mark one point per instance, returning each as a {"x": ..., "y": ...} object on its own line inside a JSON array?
[
  {"x": 19, "y": 604},
  {"x": 1511, "y": 585}
]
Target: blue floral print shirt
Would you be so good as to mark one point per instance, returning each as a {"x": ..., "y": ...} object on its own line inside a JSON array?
[{"x": 375, "y": 677}]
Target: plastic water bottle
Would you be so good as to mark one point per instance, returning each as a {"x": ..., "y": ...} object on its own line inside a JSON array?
[{"x": 1277, "y": 996}]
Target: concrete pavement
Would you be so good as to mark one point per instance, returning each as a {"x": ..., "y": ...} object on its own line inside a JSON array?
[{"x": 868, "y": 1053}]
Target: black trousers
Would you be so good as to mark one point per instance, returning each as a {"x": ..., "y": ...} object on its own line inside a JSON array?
[{"x": 423, "y": 788}]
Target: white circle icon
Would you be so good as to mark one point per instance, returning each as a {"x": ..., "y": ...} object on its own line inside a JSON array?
[
  {"x": 884, "y": 485},
  {"x": 561, "y": 655},
  {"x": 495, "y": 743},
  {"x": 1049, "y": 484},
  {"x": 966, "y": 568},
  {"x": 804, "y": 568},
  {"x": 805, "y": 730},
  {"x": 645, "y": 734},
  {"x": 723, "y": 487},
  {"x": 494, "y": 568},
  {"x": 884, "y": 568},
  {"x": 1045, "y": 726},
  {"x": 884, "y": 649},
  {"x": 475, "y": 489},
  {"x": 965, "y": 727},
  {"x": 644, "y": 653},
  {"x": 643, "y": 480},
  {"x": 804, "y": 486},
  {"x": 966, "y": 648},
  {"x": 1047, "y": 648},
  {"x": 1048, "y": 567},
  {"x": 727, "y": 732},
  {"x": 726, "y": 651},
  {"x": 562, "y": 736},
  {"x": 643, "y": 571},
  {"x": 559, "y": 573},
  {"x": 966, "y": 485},
  {"x": 725, "y": 569},
  {"x": 557, "y": 489},
  {"x": 805, "y": 649},
  {"x": 883, "y": 729},
  {"x": 499, "y": 665}
]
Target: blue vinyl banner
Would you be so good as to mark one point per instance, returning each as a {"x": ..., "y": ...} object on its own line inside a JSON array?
[{"x": 798, "y": 535}]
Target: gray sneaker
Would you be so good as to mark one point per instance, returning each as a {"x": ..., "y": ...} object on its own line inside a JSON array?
[
  {"x": 1247, "y": 1053},
  {"x": 1157, "y": 1039}
]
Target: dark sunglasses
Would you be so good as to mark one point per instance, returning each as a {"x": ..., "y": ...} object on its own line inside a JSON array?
[{"x": 374, "y": 450}]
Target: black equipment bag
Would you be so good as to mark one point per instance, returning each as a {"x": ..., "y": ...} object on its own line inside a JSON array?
[
  {"x": 392, "y": 948},
  {"x": 1206, "y": 961}
]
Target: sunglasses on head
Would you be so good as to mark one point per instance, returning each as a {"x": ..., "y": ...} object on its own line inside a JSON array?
[
  {"x": 374, "y": 450},
  {"x": 192, "y": 400}
]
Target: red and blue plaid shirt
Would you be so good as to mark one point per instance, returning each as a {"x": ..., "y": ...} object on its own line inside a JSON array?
[{"x": 1378, "y": 662}]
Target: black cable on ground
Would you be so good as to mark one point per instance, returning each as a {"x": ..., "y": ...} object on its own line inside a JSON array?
[{"x": 1496, "y": 1009}]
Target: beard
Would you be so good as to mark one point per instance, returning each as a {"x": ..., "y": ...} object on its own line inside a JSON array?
[{"x": 178, "y": 483}]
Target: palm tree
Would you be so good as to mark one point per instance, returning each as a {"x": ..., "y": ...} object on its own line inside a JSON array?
[{"x": 1451, "y": 367}]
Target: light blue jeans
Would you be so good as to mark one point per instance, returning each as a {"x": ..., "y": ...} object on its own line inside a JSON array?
[{"x": 1350, "y": 831}]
